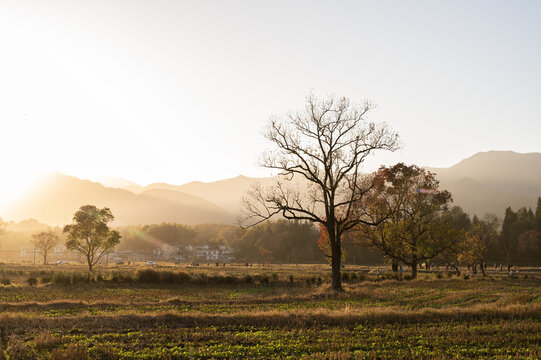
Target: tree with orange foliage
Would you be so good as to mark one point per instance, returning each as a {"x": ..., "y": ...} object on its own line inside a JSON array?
[{"x": 409, "y": 200}]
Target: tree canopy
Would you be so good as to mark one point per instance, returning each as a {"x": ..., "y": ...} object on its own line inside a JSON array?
[{"x": 90, "y": 235}]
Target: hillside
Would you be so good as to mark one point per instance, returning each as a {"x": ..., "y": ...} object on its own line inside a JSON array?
[
  {"x": 484, "y": 182},
  {"x": 227, "y": 193},
  {"x": 56, "y": 199},
  {"x": 491, "y": 181}
]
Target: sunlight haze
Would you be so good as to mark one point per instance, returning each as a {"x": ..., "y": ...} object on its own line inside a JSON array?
[{"x": 177, "y": 91}]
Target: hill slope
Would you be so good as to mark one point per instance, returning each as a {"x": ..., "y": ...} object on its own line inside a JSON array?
[
  {"x": 484, "y": 182},
  {"x": 491, "y": 181},
  {"x": 55, "y": 201}
]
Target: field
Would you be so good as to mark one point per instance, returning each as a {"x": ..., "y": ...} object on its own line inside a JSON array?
[{"x": 277, "y": 312}]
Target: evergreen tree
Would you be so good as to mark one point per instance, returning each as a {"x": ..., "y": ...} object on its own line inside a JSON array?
[
  {"x": 508, "y": 238},
  {"x": 537, "y": 220}
]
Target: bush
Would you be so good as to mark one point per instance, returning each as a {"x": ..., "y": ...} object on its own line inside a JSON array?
[
  {"x": 61, "y": 278},
  {"x": 201, "y": 279},
  {"x": 291, "y": 278},
  {"x": 120, "y": 277},
  {"x": 183, "y": 277},
  {"x": 6, "y": 281},
  {"x": 466, "y": 276},
  {"x": 32, "y": 281},
  {"x": 45, "y": 279},
  {"x": 167, "y": 277},
  {"x": 147, "y": 276},
  {"x": 249, "y": 279},
  {"x": 72, "y": 352},
  {"x": 18, "y": 350}
]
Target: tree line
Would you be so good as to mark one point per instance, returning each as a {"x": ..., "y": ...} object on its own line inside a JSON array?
[{"x": 318, "y": 153}]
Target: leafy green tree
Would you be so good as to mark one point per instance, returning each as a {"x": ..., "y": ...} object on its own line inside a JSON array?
[
  {"x": 90, "y": 235},
  {"x": 412, "y": 230},
  {"x": 44, "y": 241},
  {"x": 456, "y": 224},
  {"x": 481, "y": 237}
]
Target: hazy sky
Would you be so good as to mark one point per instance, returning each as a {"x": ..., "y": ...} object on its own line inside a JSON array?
[{"x": 176, "y": 91}]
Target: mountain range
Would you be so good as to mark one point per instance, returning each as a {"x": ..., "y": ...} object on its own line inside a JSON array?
[{"x": 487, "y": 182}]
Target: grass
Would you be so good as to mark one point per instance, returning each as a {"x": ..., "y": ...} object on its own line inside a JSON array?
[{"x": 238, "y": 312}]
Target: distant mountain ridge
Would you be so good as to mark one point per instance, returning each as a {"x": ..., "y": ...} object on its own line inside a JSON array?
[
  {"x": 486, "y": 182},
  {"x": 56, "y": 200}
]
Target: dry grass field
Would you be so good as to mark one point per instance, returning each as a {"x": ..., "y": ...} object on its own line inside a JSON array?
[{"x": 277, "y": 312}]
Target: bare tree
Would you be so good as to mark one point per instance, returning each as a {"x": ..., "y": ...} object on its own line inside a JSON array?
[
  {"x": 44, "y": 242},
  {"x": 322, "y": 149}
]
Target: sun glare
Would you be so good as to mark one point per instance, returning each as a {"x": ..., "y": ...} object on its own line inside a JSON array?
[{"x": 16, "y": 185}]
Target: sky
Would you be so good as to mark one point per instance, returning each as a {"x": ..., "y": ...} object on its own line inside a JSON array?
[{"x": 177, "y": 91}]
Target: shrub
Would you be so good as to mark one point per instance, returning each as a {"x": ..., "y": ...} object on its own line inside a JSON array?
[
  {"x": 183, "y": 277},
  {"x": 274, "y": 277},
  {"x": 6, "y": 281},
  {"x": 200, "y": 279},
  {"x": 32, "y": 281},
  {"x": 167, "y": 277},
  {"x": 61, "y": 278},
  {"x": 291, "y": 278},
  {"x": 147, "y": 276},
  {"x": 45, "y": 279},
  {"x": 119, "y": 277},
  {"x": 72, "y": 352},
  {"x": 466, "y": 276},
  {"x": 249, "y": 279},
  {"x": 18, "y": 350}
]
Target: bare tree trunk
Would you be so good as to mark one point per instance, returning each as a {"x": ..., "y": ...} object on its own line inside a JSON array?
[
  {"x": 457, "y": 270},
  {"x": 336, "y": 253},
  {"x": 89, "y": 263},
  {"x": 413, "y": 269},
  {"x": 483, "y": 269},
  {"x": 394, "y": 265},
  {"x": 44, "y": 258}
]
